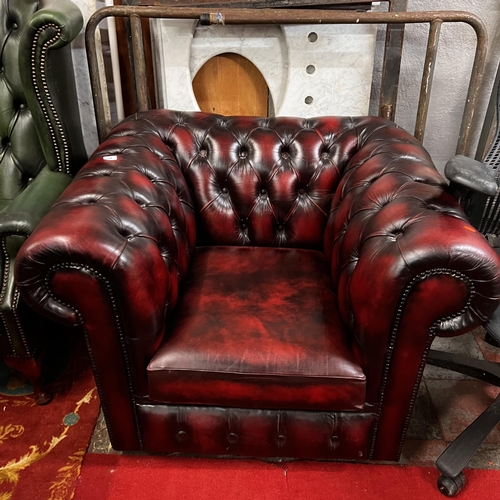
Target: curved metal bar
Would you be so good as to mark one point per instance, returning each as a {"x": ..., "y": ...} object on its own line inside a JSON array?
[
  {"x": 300, "y": 16},
  {"x": 140, "y": 73},
  {"x": 426, "y": 86}
]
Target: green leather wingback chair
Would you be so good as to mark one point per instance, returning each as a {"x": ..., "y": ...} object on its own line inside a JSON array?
[{"x": 41, "y": 147}]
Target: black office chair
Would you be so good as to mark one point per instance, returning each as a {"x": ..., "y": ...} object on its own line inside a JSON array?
[{"x": 475, "y": 184}]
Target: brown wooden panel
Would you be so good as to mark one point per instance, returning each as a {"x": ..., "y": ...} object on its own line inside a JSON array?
[{"x": 230, "y": 84}]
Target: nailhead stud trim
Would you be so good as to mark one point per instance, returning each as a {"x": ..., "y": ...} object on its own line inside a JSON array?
[
  {"x": 62, "y": 163},
  {"x": 15, "y": 304},
  {"x": 432, "y": 333},
  {"x": 107, "y": 285}
]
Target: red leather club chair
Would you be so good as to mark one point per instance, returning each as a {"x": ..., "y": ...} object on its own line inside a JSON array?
[{"x": 259, "y": 287}]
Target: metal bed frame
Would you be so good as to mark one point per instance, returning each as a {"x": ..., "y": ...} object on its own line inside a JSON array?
[{"x": 294, "y": 16}]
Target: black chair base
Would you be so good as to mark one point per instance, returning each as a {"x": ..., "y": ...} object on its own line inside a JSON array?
[{"x": 458, "y": 454}]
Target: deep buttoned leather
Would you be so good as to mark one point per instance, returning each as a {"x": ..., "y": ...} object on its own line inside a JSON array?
[
  {"x": 264, "y": 433},
  {"x": 18, "y": 163},
  {"x": 265, "y": 182},
  {"x": 115, "y": 255}
]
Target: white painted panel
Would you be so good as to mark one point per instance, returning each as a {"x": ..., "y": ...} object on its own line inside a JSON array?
[
  {"x": 82, "y": 79},
  {"x": 342, "y": 57},
  {"x": 330, "y": 70}
]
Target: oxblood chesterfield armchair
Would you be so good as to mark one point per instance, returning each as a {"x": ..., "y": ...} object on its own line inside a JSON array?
[{"x": 259, "y": 287}]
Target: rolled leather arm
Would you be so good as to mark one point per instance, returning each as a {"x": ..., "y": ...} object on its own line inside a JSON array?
[
  {"x": 393, "y": 220},
  {"x": 109, "y": 257},
  {"x": 407, "y": 263},
  {"x": 62, "y": 13},
  {"x": 48, "y": 82},
  {"x": 20, "y": 217},
  {"x": 126, "y": 218}
]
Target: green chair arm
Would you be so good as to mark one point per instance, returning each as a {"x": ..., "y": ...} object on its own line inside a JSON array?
[
  {"x": 18, "y": 220},
  {"x": 23, "y": 214},
  {"x": 62, "y": 13}
]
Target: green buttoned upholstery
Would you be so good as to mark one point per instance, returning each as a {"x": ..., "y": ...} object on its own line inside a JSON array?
[{"x": 41, "y": 144}]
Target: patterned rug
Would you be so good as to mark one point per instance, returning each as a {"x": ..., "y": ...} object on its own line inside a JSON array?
[{"x": 42, "y": 447}]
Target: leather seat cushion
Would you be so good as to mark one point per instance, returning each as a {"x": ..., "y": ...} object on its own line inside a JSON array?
[{"x": 257, "y": 327}]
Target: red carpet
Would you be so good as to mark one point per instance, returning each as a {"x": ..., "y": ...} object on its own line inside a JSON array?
[
  {"x": 118, "y": 477},
  {"x": 42, "y": 447}
]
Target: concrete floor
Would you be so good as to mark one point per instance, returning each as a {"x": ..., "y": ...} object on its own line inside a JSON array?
[{"x": 447, "y": 403}]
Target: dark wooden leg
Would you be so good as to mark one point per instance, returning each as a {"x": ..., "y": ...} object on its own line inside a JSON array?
[{"x": 31, "y": 369}]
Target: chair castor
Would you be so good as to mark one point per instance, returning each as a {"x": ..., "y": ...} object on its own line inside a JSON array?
[{"x": 451, "y": 486}]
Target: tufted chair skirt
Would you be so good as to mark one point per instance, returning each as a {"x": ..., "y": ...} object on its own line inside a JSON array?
[{"x": 255, "y": 286}]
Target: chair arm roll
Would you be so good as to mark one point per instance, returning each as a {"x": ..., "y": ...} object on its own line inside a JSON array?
[
  {"x": 125, "y": 220},
  {"x": 393, "y": 221},
  {"x": 61, "y": 13},
  {"x": 394, "y": 226}
]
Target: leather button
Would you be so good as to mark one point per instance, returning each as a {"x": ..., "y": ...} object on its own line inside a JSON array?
[
  {"x": 22, "y": 106},
  {"x": 281, "y": 227},
  {"x": 302, "y": 191},
  {"x": 14, "y": 26},
  {"x": 224, "y": 190},
  {"x": 243, "y": 154},
  {"x": 325, "y": 156},
  {"x": 182, "y": 434},
  {"x": 203, "y": 153},
  {"x": 232, "y": 437},
  {"x": 244, "y": 226},
  {"x": 30, "y": 180},
  {"x": 285, "y": 155},
  {"x": 280, "y": 438},
  {"x": 263, "y": 191}
]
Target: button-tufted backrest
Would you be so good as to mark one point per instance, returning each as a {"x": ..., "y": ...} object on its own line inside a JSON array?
[
  {"x": 21, "y": 156},
  {"x": 256, "y": 181}
]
